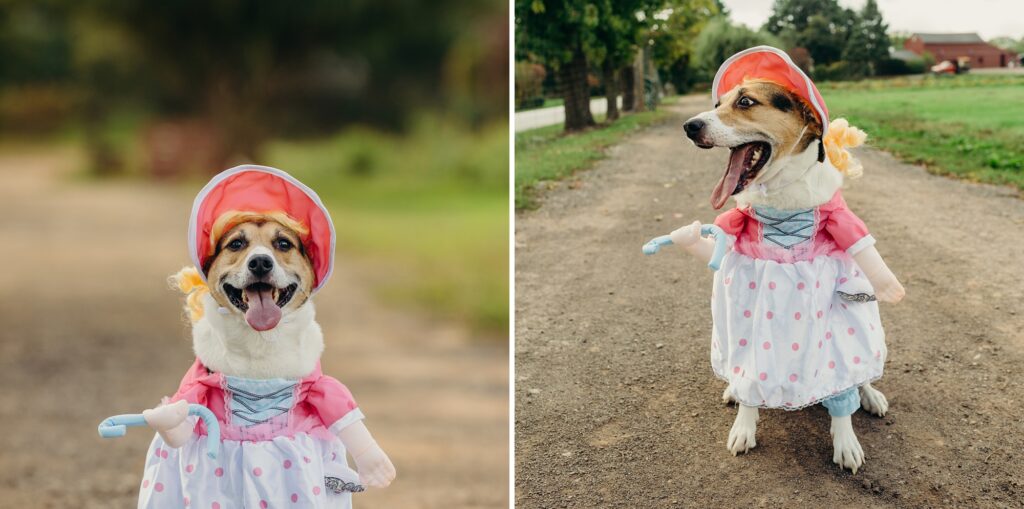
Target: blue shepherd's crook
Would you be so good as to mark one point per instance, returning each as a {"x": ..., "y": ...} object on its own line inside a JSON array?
[
  {"x": 117, "y": 426},
  {"x": 721, "y": 242}
]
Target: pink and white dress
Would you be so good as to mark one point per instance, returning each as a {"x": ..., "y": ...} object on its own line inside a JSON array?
[
  {"x": 795, "y": 320},
  {"x": 279, "y": 442}
]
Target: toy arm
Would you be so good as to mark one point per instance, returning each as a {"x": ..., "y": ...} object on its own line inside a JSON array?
[
  {"x": 374, "y": 466},
  {"x": 887, "y": 287},
  {"x": 688, "y": 238},
  {"x": 170, "y": 422}
]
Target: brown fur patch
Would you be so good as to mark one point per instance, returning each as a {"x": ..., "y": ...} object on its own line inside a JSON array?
[{"x": 777, "y": 114}]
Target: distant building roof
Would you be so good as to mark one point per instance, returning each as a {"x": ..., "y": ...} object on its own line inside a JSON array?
[
  {"x": 904, "y": 54},
  {"x": 969, "y": 38}
]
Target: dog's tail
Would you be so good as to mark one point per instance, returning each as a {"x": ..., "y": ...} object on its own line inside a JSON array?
[
  {"x": 841, "y": 136},
  {"x": 192, "y": 285}
]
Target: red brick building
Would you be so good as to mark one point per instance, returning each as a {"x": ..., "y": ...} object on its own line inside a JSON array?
[{"x": 957, "y": 46}]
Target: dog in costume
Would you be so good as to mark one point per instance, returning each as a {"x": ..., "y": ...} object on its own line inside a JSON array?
[
  {"x": 262, "y": 244},
  {"x": 794, "y": 303}
]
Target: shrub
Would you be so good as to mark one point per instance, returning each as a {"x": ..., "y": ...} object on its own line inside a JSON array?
[{"x": 529, "y": 85}]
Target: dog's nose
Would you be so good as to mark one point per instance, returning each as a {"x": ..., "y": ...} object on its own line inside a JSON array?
[
  {"x": 260, "y": 265},
  {"x": 693, "y": 126}
]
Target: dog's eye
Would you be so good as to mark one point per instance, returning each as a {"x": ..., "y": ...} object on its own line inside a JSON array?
[
  {"x": 282, "y": 244},
  {"x": 236, "y": 244},
  {"x": 745, "y": 102}
]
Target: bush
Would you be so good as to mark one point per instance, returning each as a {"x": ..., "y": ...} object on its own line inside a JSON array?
[
  {"x": 719, "y": 40},
  {"x": 837, "y": 71},
  {"x": 529, "y": 85}
]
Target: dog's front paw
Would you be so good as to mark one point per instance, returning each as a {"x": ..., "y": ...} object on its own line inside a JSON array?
[
  {"x": 847, "y": 452},
  {"x": 873, "y": 401},
  {"x": 741, "y": 437}
]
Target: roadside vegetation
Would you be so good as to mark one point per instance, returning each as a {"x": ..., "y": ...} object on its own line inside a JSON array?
[{"x": 965, "y": 126}]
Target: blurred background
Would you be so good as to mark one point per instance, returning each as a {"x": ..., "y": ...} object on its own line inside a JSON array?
[{"x": 112, "y": 116}]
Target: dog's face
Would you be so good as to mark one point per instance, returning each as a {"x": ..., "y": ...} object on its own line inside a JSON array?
[
  {"x": 259, "y": 269},
  {"x": 762, "y": 123}
]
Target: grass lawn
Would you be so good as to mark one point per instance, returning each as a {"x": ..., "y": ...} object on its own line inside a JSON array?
[
  {"x": 548, "y": 154},
  {"x": 425, "y": 214},
  {"x": 968, "y": 126}
]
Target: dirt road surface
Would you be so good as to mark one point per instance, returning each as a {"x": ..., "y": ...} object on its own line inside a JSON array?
[
  {"x": 616, "y": 405},
  {"x": 90, "y": 329}
]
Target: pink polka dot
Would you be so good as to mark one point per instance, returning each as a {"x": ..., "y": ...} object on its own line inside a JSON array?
[
  {"x": 763, "y": 376},
  {"x": 287, "y": 463},
  {"x": 800, "y": 285},
  {"x": 219, "y": 472},
  {"x": 145, "y": 483},
  {"x": 295, "y": 497},
  {"x": 793, "y": 377},
  {"x": 767, "y": 345},
  {"x": 828, "y": 335},
  {"x": 746, "y": 314},
  {"x": 156, "y": 452},
  {"x": 316, "y": 490},
  {"x": 215, "y": 505},
  {"x": 771, "y": 285},
  {"x": 878, "y": 354},
  {"x": 158, "y": 487},
  {"x": 257, "y": 471},
  {"x": 797, "y": 315},
  {"x": 187, "y": 501},
  {"x": 306, "y": 459},
  {"x": 334, "y": 456},
  {"x": 263, "y": 504},
  {"x": 856, "y": 359},
  {"x": 843, "y": 305},
  {"x": 820, "y": 313},
  {"x": 850, "y": 331},
  {"x": 820, "y": 343},
  {"x": 789, "y": 403},
  {"x": 843, "y": 280},
  {"x": 752, "y": 285},
  {"x": 743, "y": 341},
  {"x": 728, "y": 280},
  {"x": 163, "y": 454},
  {"x": 831, "y": 364},
  {"x": 189, "y": 468},
  {"x": 795, "y": 346},
  {"x": 735, "y": 370},
  {"x": 872, "y": 326},
  {"x": 769, "y": 315}
]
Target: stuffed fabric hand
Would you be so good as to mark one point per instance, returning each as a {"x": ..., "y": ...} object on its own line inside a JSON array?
[
  {"x": 887, "y": 287},
  {"x": 687, "y": 235},
  {"x": 375, "y": 468},
  {"x": 171, "y": 422}
]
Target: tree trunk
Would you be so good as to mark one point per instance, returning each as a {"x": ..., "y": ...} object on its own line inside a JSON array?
[
  {"x": 628, "y": 76},
  {"x": 575, "y": 92},
  {"x": 639, "y": 76},
  {"x": 611, "y": 90}
]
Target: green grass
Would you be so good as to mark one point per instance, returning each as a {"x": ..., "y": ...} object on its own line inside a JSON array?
[
  {"x": 547, "y": 153},
  {"x": 425, "y": 214},
  {"x": 971, "y": 127}
]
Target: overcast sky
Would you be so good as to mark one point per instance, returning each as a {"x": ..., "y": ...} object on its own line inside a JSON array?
[{"x": 990, "y": 18}]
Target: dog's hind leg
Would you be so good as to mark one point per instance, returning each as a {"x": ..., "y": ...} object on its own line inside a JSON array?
[
  {"x": 873, "y": 401},
  {"x": 741, "y": 437},
  {"x": 847, "y": 452}
]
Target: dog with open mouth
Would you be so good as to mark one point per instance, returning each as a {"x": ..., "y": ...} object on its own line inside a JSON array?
[
  {"x": 262, "y": 244},
  {"x": 794, "y": 305}
]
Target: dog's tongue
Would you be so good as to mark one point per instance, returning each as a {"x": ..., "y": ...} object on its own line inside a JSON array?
[
  {"x": 731, "y": 177},
  {"x": 263, "y": 313}
]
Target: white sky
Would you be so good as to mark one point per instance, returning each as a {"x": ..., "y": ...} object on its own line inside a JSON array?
[{"x": 989, "y": 18}]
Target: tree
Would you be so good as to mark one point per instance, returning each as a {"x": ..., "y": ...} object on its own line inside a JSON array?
[
  {"x": 672, "y": 29},
  {"x": 868, "y": 43},
  {"x": 557, "y": 33},
  {"x": 720, "y": 39},
  {"x": 616, "y": 39},
  {"x": 821, "y": 26}
]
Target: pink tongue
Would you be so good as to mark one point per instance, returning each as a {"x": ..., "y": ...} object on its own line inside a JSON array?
[
  {"x": 725, "y": 187},
  {"x": 263, "y": 313}
]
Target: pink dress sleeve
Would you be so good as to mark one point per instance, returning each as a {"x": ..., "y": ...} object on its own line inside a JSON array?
[
  {"x": 192, "y": 388},
  {"x": 848, "y": 231},
  {"x": 731, "y": 221},
  {"x": 333, "y": 402}
]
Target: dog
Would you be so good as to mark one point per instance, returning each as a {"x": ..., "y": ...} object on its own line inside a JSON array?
[{"x": 778, "y": 162}]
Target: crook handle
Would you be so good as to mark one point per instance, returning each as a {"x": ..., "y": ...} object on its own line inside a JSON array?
[{"x": 117, "y": 426}]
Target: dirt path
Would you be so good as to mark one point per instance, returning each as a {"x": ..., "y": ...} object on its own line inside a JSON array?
[
  {"x": 90, "y": 329},
  {"x": 616, "y": 405}
]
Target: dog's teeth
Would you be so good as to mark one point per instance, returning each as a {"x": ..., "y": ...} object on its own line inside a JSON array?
[{"x": 245, "y": 297}]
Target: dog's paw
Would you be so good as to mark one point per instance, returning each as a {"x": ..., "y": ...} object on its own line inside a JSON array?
[
  {"x": 727, "y": 397},
  {"x": 873, "y": 401},
  {"x": 847, "y": 452},
  {"x": 741, "y": 436}
]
